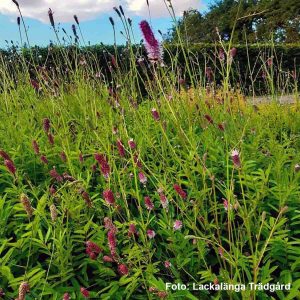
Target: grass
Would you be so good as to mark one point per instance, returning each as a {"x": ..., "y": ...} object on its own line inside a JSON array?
[{"x": 86, "y": 152}]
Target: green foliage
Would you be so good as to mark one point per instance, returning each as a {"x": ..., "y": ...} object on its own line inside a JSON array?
[{"x": 252, "y": 21}]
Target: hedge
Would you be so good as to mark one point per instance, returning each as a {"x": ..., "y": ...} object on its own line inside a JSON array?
[{"x": 250, "y": 61}]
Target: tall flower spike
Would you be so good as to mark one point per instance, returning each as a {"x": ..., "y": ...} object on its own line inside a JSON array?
[
  {"x": 4, "y": 155},
  {"x": 23, "y": 290},
  {"x": 84, "y": 292},
  {"x": 109, "y": 197},
  {"x": 53, "y": 212},
  {"x": 235, "y": 156},
  {"x": 122, "y": 269},
  {"x": 180, "y": 191},
  {"x": 76, "y": 19},
  {"x": 35, "y": 147},
  {"x": 16, "y": 3},
  {"x": 111, "y": 20},
  {"x": 153, "y": 47},
  {"x": 121, "y": 148},
  {"x": 112, "y": 242},
  {"x": 26, "y": 205},
  {"x": 66, "y": 296},
  {"x": 46, "y": 125},
  {"x": 50, "y": 14},
  {"x": 10, "y": 166},
  {"x": 148, "y": 203}
]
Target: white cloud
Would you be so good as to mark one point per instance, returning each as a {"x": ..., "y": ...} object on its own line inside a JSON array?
[
  {"x": 90, "y": 9},
  {"x": 158, "y": 7}
]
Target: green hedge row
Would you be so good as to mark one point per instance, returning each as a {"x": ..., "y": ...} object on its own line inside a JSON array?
[{"x": 251, "y": 67}]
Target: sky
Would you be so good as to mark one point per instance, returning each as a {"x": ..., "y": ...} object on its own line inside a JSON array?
[{"x": 93, "y": 16}]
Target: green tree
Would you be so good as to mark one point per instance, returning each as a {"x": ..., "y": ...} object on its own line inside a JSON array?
[{"x": 254, "y": 20}]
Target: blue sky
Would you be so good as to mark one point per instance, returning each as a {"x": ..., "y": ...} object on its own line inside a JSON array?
[{"x": 95, "y": 26}]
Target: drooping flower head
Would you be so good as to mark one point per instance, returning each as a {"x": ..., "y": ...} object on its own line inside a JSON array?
[
  {"x": 180, "y": 191},
  {"x": 153, "y": 47},
  {"x": 4, "y": 155},
  {"x": 10, "y": 166}
]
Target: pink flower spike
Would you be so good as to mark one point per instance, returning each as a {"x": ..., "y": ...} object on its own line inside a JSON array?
[
  {"x": 122, "y": 269},
  {"x": 232, "y": 52},
  {"x": 132, "y": 230},
  {"x": 131, "y": 144},
  {"x": 46, "y": 125},
  {"x": 153, "y": 47},
  {"x": 35, "y": 147},
  {"x": 52, "y": 190},
  {"x": 4, "y": 155},
  {"x": 209, "y": 119},
  {"x": 112, "y": 242},
  {"x": 51, "y": 139},
  {"x": 235, "y": 156},
  {"x": 177, "y": 225},
  {"x": 44, "y": 159},
  {"x": 221, "y": 251},
  {"x": 121, "y": 148},
  {"x": 155, "y": 114},
  {"x": 10, "y": 166},
  {"x": 81, "y": 159},
  {"x": 107, "y": 259},
  {"x": 91, "y": 246},
  {"x": 148, "y": 203},
  {"x": 84, "y": 292},
  {"x": 108, "y": 224},
  {"x": 226, "y": 204},
  {"x": 142, "y": 178},
  {"x": 164, "y": 201},
  {"x": 151, "y": 233},
  {"x": 109, "y": 197},
  {"x": 87, "y": 199},
  {"x": 63, "y": 156},
  {"x": 167, "y": 264},
  {"x": 54, "y": 174},
  {"x": 66, "y": 296},
  {"x": 180, "y": 191},
  {"x": 221, "y": 126}
]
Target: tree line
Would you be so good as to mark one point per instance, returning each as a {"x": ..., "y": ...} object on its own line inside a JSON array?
[{"x": 241, "y": 21}]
